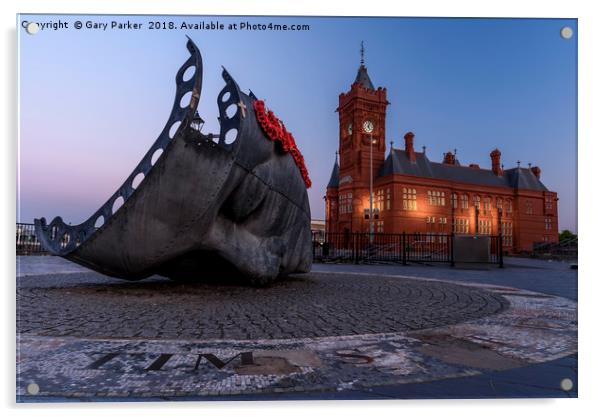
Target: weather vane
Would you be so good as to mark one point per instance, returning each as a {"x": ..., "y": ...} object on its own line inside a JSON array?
[{"x": 362, "y": 53}]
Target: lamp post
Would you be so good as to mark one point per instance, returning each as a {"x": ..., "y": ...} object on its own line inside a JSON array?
[
  {"x": 453, "y": 231},
  {"x": 371, "y": 221}
]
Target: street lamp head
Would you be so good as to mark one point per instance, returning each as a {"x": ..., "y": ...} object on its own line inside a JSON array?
[{"x": 197, "y": 122}]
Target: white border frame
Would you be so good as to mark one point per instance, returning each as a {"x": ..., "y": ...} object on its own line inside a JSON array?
[{"x": 589, "y": 151}]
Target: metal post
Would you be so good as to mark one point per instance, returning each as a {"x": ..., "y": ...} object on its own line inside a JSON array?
[
  {"x": 404, "y": 248},
  {"x": 371, "y": 215},
  {"x": 501, "y": 253},
  {"x": 354, "y": 236}
]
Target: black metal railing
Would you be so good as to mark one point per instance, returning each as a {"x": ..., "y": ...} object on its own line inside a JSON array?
[
  {"x": 398, "y": 248},
  {"x": 344, "y": 247},
  {"x": 564, "y": 250},
  {"x": 27, "y": 242}
]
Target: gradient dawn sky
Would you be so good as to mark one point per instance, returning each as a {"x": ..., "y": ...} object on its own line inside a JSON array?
[{"x": 91, "y": 102}]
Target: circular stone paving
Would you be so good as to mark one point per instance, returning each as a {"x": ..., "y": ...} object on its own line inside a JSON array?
[{"x": 309, "y": 305}]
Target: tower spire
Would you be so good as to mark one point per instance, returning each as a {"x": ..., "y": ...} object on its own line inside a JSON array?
[{"x": 362, "y": 72}]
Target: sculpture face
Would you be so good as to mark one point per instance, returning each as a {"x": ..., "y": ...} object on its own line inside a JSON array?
[{"x": 230, "y": 205}]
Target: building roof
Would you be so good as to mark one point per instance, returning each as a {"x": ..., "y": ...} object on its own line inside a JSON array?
[
  {"x": 334, "y": 176},
  {"x": 398, "y": 163},
  {"x": 363, "y": 78}
]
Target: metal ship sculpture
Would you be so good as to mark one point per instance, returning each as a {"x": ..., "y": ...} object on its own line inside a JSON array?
[{"x": 210, "y": 207}]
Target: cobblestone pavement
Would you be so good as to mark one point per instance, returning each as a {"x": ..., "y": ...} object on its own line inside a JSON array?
[
  {"x": 362, "y": 336},
  {"x": 311, "y": 305}
]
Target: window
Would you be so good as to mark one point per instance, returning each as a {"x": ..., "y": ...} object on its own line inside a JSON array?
[
  {"x": 487, "y": 205},
  {"x": 380, "y": 199},
  {"x": 477, "y": 201},
  {"x": 464, "y": 201},
  {"x": 508, "y": 207},
  {"x": 529, "y": 207},
  {"x": 383, "y": 199},
  {"x": 484, "y": 227},
  {"x": 460, "y": 225},
  {"x": 454, "y": 200},
  {"x": 346, "y": 203},
  {"x": 380, "y": 226},
  {"x": 499, "y": 204},
  {"x": 507, "y": 233},
  {"x": 549, "y": 204},
  {"x": 548, "y": 223},
  {"x": 430, "y": 228},
  {"x": 409, "y": 199},
  {"x": 435, "y": 198},
  {"x": 388, "y": 201}
]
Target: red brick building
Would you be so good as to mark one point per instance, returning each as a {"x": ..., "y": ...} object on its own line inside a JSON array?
[{"x": 414, "y": 194}]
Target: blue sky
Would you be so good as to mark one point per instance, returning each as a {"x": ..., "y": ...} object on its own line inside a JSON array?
[{"x": 92, "y": 102}]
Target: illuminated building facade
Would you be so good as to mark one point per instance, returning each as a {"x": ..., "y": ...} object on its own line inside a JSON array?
[{"x": 414, "y": 194}]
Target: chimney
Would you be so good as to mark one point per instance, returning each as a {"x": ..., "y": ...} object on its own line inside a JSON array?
[
  {"x": 409, "y": 138},
  {"x": 449, "y": 158},
  {"x": 474, "y": 166},
  {"x": 495, "y": 162},
  {"x": 536, "y": 171}
]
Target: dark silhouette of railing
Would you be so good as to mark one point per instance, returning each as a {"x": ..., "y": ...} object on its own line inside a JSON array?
[
  {"x": 399, "y": 248},
  {"x": 566, "y": 250},
  {"x": 27, "y": 242},
  {"x": 344, "y": 247}
]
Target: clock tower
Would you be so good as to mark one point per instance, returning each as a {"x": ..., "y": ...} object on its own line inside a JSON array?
[{"x": 362, "y": 112}]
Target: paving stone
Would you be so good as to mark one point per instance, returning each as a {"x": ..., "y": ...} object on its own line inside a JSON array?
[
  {"x": 328, "y": 335},
  {"x": 312, "y": 305}
]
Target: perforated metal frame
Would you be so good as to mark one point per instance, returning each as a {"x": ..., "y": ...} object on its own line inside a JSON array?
[{"x": 60, "y": 238}]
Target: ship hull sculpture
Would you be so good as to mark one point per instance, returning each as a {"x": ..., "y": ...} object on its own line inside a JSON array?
[{"x": 229, "y": 206}]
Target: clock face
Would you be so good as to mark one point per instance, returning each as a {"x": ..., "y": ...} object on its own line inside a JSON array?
[
  {"x": 349, "y": 128},
  {"x": 368, "y": 126}
]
